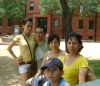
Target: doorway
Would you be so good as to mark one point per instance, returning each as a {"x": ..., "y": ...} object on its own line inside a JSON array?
[{"x": 42, "y": 22}]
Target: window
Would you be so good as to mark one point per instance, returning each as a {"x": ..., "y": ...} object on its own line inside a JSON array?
[
  {"x": 90, "y": 24},
  {"x": 8, "y": 33},
  {"x": 10, "y": 23},
  {"x": 42, "y": 22},
  {"x": 80, "y": 24},
  {"x": 0, "y": 23},
  {"x": 55, "y": 23},
  {"x": 90, "y": 37},
  {"x": 0, "y": 34},
  {"x": 81, "y": 8},
  {"x": 31, "y": 8},
  {"x": 81, "y": 36}
]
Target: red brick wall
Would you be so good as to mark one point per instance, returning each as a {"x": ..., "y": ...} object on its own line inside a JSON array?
[
  {"x": 85, "y": 32},
  {"x": 5, "y": 29}
]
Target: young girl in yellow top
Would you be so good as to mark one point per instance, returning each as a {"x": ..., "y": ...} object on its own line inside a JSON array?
[
  {"x": 24, "y": 60},
  {"x": 75, "y": 65}
]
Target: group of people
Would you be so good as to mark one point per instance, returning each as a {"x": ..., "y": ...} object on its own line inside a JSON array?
[{"x": 60, "y": 68}]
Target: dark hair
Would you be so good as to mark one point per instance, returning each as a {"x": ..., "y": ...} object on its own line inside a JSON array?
[
  {"x": 44, "y": 29},
  {"x": 53, "y": 36},
  {"x": 77, "y": 36},
  {"x": 26, "y": 20}
]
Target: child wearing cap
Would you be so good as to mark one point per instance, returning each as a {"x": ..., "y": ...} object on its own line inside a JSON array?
[{"x": 53, "y": 70}]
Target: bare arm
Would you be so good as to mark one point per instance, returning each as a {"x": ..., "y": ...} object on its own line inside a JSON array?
[
  {"x": 43, "y": 62},
  {"x": 19, "y": 59},
  {"x": 10, "y": 49},
  {"x": 82, "y": 75}
]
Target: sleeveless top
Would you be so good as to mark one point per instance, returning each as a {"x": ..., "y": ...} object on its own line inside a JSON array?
[{"x": 48, "y": 56}]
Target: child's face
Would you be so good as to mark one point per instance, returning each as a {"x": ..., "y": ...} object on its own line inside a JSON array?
[{"x": 53, "y": 74}]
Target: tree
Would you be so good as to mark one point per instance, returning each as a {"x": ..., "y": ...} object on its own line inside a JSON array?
[
  {"x": 12, "y": 9},
  {"x": 68, "y": 7}
]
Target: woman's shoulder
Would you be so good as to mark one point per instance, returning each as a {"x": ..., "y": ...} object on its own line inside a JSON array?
[
  {"x": 47, "y": 52},
  {"x": 62, "y": 58},
  {"x": 82, "y": 58},
  {"x": 63, "y": 53},
  {"x": 32, "y": 34},
  {"x": 17, "y": 37}
]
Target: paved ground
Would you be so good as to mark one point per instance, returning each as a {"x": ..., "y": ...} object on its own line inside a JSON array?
[{"x": 9, "y": 75}]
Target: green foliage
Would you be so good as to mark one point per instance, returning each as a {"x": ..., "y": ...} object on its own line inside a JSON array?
[
  {"x": 12, "y": 8},
  {"x": 48, "y": 6},
  {"x": 94, "y": 64},
  {"x": 90, "y": 6}
]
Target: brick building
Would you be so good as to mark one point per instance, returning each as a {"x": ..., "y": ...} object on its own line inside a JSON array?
[{"x": 53, "y": 23}]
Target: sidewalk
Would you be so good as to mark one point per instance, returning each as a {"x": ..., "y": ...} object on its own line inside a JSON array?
[{"x": 9, "y": 75}]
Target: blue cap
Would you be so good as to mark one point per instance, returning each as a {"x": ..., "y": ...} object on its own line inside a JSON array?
[{"x": 52, "y": 63}]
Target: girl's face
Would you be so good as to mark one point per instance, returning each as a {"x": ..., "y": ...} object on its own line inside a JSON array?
[
  {"x": 73, "y": 45},
  {"x": 54, "y": 44},
  {"x": 27, "y": 27},
  {"x": 53, "y": 74}
]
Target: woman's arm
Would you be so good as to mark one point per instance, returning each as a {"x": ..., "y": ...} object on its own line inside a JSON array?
[
  {"x": 10, "y": 49},
  {"x": 82, "y": 74},
  {"x": 19, "y": 59}
]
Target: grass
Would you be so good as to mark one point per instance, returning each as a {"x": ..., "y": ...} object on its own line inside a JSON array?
[{"x": 95, "y": 65}]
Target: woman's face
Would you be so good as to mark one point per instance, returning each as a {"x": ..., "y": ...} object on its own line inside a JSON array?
[
  {"x": 54, "y": 44},
  {"x": 73, "y": 45},
  {"x": 27, "y": 27}
]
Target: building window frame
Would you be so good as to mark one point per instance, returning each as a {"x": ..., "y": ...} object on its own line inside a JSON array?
[
  {"x": 80, "y": 24},
  {"x": 10, "y": 22},
  {"x": 56, "y": 23},
  {"x": 91, "y": 22},
  {"x": 31, "y": 6},
  {"x": 81, "y": 8},
  {"x": 0, "y": 33},
  {"x": 0, "y": 23},
  {"x": 90, "y": 37}
]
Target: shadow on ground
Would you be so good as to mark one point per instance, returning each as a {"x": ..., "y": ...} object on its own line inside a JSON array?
[{"x": 9, "y": 75}]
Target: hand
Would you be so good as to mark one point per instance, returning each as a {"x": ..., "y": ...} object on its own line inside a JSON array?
[
  {"x": 19, "y": 60},
  {"x": 36, "y": 76}
]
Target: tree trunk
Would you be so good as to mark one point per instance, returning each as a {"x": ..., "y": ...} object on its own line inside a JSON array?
[{"x": 66, "y": 19}]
